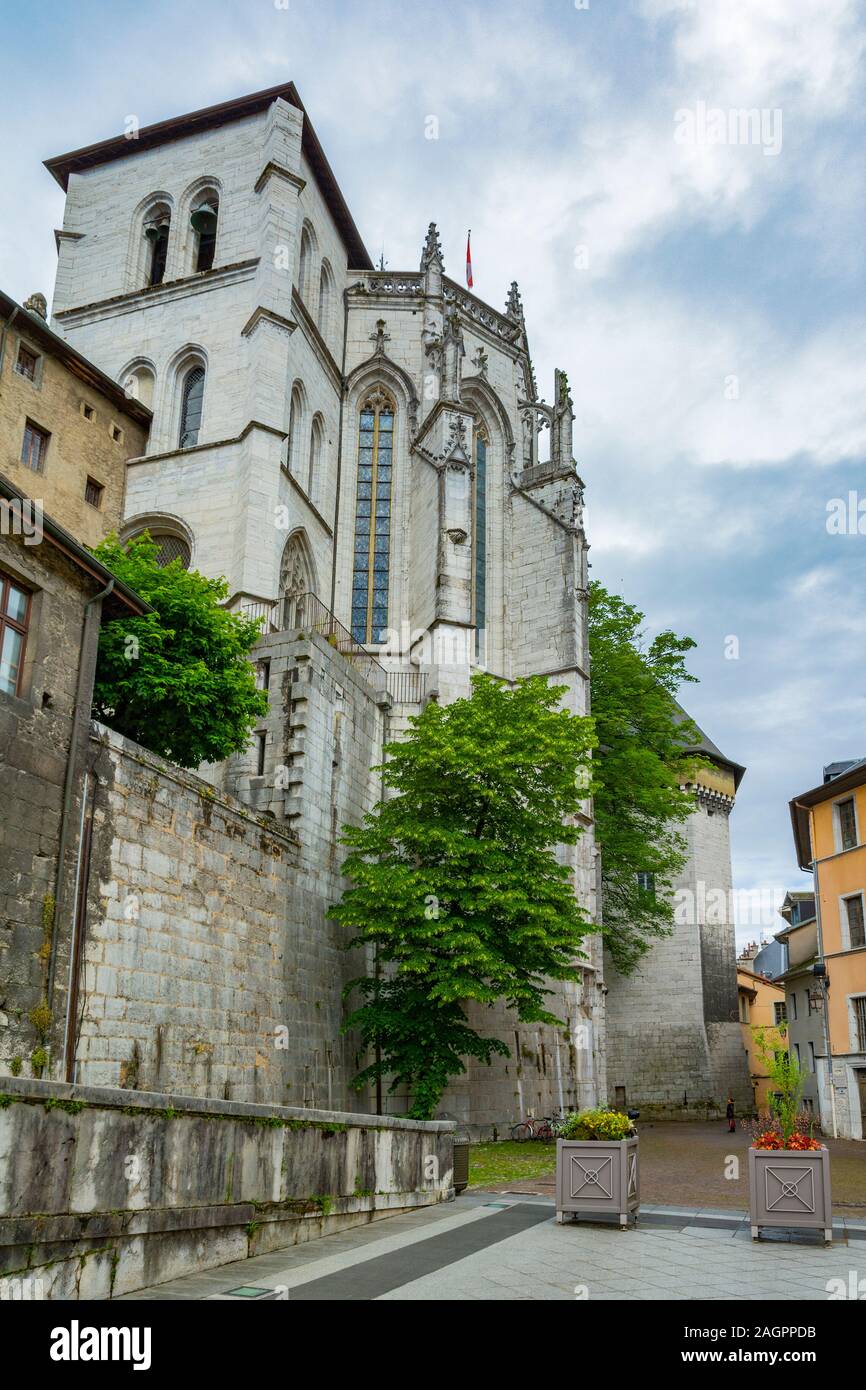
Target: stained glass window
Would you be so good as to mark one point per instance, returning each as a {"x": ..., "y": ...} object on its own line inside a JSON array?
[
  {"x": 373, "y": 519},
  {"x": 479, "y": 537},
  {"x": 190, "y": 410}
]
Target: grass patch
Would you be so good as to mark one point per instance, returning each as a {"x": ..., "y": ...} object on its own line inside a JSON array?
[{"x": 509, "y": 1161}]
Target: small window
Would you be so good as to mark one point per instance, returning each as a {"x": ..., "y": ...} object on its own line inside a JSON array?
[
  {"x": 793, "y": 1008},
  {"x": 88, "y": 412},
  {"x": 811, "y": 1058},
  {"x": 261, "y": 741},
  {"x": 27, "y": 363},
  {"x": 797, "y": 1052},
  {"x": 191, "y": 407},
  {"x": 780, "y": 1014},
  {"x": 263, "y": 675},
  {"x": 847, "y": 823},
  {"x": 854, "y": 912},
  {"x": 116, "y": 434},
  {"x": 14, "y": 621},
  {"x": 647, "y": 884},
  {"x": 34, "y": 447},
  {"x": 93, "y": 492}
]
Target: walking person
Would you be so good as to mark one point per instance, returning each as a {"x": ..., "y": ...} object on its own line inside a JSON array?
[{"x": 729, "y": 1111}]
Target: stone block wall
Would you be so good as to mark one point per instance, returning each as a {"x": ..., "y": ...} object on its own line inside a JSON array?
[
  {"x": 35, "y": 735},
  {"x": 674, "y": 1045},
  {"x": 78, "y": 448},
  {"x": 104, "y": 1191}
]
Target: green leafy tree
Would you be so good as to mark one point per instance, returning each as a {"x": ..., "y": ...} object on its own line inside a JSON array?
[
  {"x": 177, "y": 680},
  {"x": 787, "y": 1080},
  {"x": 640, "y": 768},
  {"x": 456, "y": 884}
]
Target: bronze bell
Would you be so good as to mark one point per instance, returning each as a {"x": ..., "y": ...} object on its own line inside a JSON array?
[
  {"x": 204, "y": 219},
  {"x": 157, "y": 231}
]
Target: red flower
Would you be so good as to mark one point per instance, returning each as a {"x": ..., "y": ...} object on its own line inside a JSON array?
[
  {"x": 802, "y": 1141},
  {"x": 768, "y": 1140}
]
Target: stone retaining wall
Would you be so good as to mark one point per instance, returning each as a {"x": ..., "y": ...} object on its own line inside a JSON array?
[{"x": 106, "y": 1191}]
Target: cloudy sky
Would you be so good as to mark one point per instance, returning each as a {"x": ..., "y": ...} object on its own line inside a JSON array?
[{"x": 701, "y": 279}]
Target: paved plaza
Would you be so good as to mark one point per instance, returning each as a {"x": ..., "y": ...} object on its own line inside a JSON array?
[{"x": 487, "y": 1247}]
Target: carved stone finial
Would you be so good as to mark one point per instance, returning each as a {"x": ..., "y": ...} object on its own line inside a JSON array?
[
  {"x": 37, "y": 304},
  {"x": 562, "y": 436},
  {"x": 513, "y": 305},
  {"x": 432, "y": 253}
]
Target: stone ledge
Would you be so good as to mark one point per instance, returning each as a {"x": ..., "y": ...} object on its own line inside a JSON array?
[{"x": 29, "y": 1090}]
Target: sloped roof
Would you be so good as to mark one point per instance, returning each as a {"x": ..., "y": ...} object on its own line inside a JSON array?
[
  {"x": 208, "y": 118},
  {"x": 705, "y": 746}
]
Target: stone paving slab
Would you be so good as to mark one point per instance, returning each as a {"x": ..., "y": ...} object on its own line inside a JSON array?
[{"x": 485, "y": 1248}]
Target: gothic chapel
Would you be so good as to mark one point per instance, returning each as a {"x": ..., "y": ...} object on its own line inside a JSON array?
[{"x": 357, "y": 451}]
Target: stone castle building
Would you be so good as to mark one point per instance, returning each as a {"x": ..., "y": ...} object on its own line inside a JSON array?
[
  {"x": 675, "y": 1044},
  {"x": 359, "y": 452}
]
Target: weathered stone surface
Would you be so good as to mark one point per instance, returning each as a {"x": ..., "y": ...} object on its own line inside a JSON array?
[{"x": 104, "y": 1191}]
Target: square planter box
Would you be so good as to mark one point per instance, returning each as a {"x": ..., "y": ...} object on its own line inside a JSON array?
[
  {"x": 787, "y": 1188},
  {"x": 594, "y": 1176}
]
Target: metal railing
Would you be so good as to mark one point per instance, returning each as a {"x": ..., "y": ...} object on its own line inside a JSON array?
[
  {"x": 407, "y": 687},
  {"x": 307, "y": 613},
  {"x": 266, "y": 609}
]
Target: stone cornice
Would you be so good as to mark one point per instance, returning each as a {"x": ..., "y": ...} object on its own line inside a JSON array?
[
  {"x": 517, "y": 490},
  {"x": 210, "y": 444},
  {"x": 134, "y": 300},
  {"x": 711, "y": 800},
  {"x": 279, "y": 171},
  {"x": 262, "y": 315}
]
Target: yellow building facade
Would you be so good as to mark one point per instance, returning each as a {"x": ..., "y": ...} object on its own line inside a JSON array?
[
  {"x": 762, "y": 1006},
  {"x": 829, "y": 824}
]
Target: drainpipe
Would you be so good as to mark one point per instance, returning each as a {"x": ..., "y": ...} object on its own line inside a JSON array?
[
  {"x": 826, "y": 1011},
  {"x": 339, "y": 450},
  {"x": 821, "y": 961},
  {"x": 69, "y": 782},
  {"x": 6, "y": 326}
]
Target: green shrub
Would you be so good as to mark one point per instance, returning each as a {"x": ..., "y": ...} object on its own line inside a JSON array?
[{"x": 597, "y": 1124}]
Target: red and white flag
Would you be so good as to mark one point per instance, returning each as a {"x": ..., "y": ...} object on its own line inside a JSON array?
[{"x": 469, "y": 260}]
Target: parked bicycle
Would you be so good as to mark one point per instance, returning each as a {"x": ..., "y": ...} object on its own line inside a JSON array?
[{"x": 546, "y": 1127}]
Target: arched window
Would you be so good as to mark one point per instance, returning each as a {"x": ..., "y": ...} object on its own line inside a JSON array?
[
  {"x": 323, "y": 317},
  {"x": 373, "y": 518},
  {"x": 173, "y": 545},
  {"x": 479, "y": 540},
  {"x": 192, "y": 399},
  {"x": 317, "y": 435},
  {"x": 305, "y": 265},
  {"x": 296, "y": 578},
  {"x": 294, "y": 454},
  {"x": 157, "y": 226},
  {"x": 138, "y": 382},
  {"x": 204, "y": 219}
]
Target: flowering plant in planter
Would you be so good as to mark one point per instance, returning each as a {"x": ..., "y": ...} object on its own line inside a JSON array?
[
  {"x": 597, "y": 1124},
  {"x": 789, "y": 1170},
  {"x": 787, "y": 1081}
]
